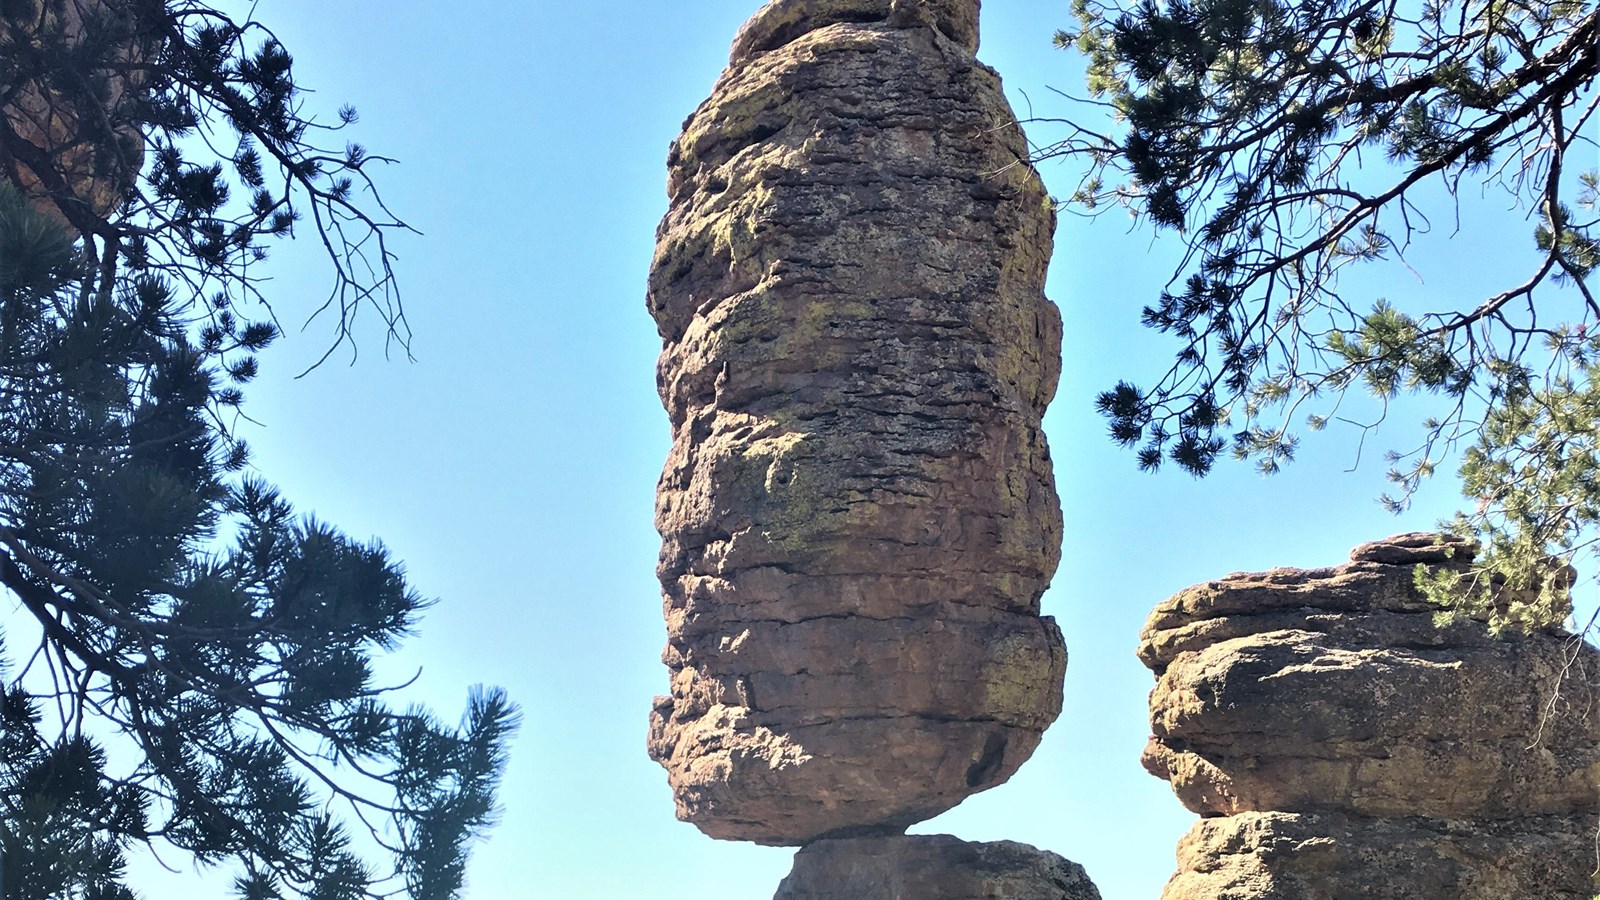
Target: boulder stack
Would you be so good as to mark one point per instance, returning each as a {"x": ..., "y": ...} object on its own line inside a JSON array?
[
  {"x": 858, "y": 514},
  {"x": 1343, "y": 743}
]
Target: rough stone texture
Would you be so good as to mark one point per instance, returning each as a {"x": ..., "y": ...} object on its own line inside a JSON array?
[
  {"x": 782, "y": 21},
  {"x": 858, "y": 513},
  {"x": 92, "y": 172},
  {"x": 1327, "y": 856},
  {"x": 1404, "y": 745},
  {"x": 931, "y": 867}
]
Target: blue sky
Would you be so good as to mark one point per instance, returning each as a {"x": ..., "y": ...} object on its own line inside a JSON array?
[{"x": 512, "y": 465}]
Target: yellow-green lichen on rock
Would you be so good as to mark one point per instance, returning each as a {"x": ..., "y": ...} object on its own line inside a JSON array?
[
  {"x": 858, "y": 513},
  {"x": 1330, "y": 710}
]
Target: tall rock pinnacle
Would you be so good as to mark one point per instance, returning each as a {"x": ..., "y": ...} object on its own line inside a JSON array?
[{"x": 858, "y": 514}]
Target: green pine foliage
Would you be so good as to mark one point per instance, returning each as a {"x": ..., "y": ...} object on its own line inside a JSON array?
[
  {"x": 200, "y": 119},
  {"x": 1287, "y": 140},
  {"x": 190, "y": 666},
  {"x": 1533, "y": 473}
]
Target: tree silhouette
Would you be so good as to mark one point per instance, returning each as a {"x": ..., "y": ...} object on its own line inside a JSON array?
[
  {"x": 190, "y": 666},
  {"x": 1288, "y": 141}
]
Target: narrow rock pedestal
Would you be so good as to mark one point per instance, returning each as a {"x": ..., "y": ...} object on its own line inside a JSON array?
[
  {"x": 1344, "y": 744},
  {"x": 932, "y": 867}
]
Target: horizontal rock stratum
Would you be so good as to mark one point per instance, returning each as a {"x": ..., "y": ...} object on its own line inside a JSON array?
[
  {"x": 1339, "y": 738},
  {"x": 858, "y": 514},
  {"x": 1329, "y": 856}
]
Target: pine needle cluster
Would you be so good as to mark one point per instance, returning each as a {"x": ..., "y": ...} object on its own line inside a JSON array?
[
  {"x": 1286, "y": 141},
  {"x": 190, "y": 667}
]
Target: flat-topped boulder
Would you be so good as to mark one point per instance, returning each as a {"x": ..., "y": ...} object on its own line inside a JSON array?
[
  {"x": 1338, "y": 732},
  {"x": 1336, "y": 688}
]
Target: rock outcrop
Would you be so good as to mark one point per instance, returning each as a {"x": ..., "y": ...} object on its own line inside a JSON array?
[
  {"x": 1344, "y": 744},
  {"x": 1331, "y": 856},
  {"x": 70, "y": 142},
  {"x": 858, "y": 513},
  {"x": 929, "y": 867}
]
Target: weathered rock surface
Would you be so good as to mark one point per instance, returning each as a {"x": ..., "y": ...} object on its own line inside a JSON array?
[
  {"x": 75, "y": 149},
  {"x": 858, "y": 513},
  {"x": 1328, "y": 856},
  {"x": 931, "y": 867},
  {"x": 1338, "y": 727}
]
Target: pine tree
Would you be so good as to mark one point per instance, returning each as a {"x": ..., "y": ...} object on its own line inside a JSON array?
[
  {"x": 1288, "y": 140},
  {"x": 191, "y": 666}
]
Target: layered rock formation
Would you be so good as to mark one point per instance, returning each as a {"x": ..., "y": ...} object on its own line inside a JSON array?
[
  {"x": 1344, "y": 744},
  {"x": 68, "y": 142},
  {"x": 926, "y": 867},
  {"x": 1333, "y": 856},
  {"x": 858, "y": 513}
]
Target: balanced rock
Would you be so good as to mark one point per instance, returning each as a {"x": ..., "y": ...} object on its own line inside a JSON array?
[
  {"x": 1335, "y": 696},
  {"x": 858, "y": 513},
  {"x": 931, "y": 867}
]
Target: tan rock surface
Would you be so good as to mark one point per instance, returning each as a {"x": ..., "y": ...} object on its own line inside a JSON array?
[
  {"x": 1334, "y": 689},
  {"x": 932, "y": 867},
  {"x": 858, "y": 512},
  {"x": 1419, "y": 748},
  {"x": 1326, "y": 856},
  {"x": 77, "y": 151}
]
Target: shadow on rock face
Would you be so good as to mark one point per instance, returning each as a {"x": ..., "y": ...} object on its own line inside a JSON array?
[
  {"x": 858, "y": 514},
  {"x": 1328, "y": 710}
]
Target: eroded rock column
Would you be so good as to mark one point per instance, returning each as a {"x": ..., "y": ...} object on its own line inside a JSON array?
[
  {"x": 858, "y": 513},
  {"x": 1341, "y": 743}
]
